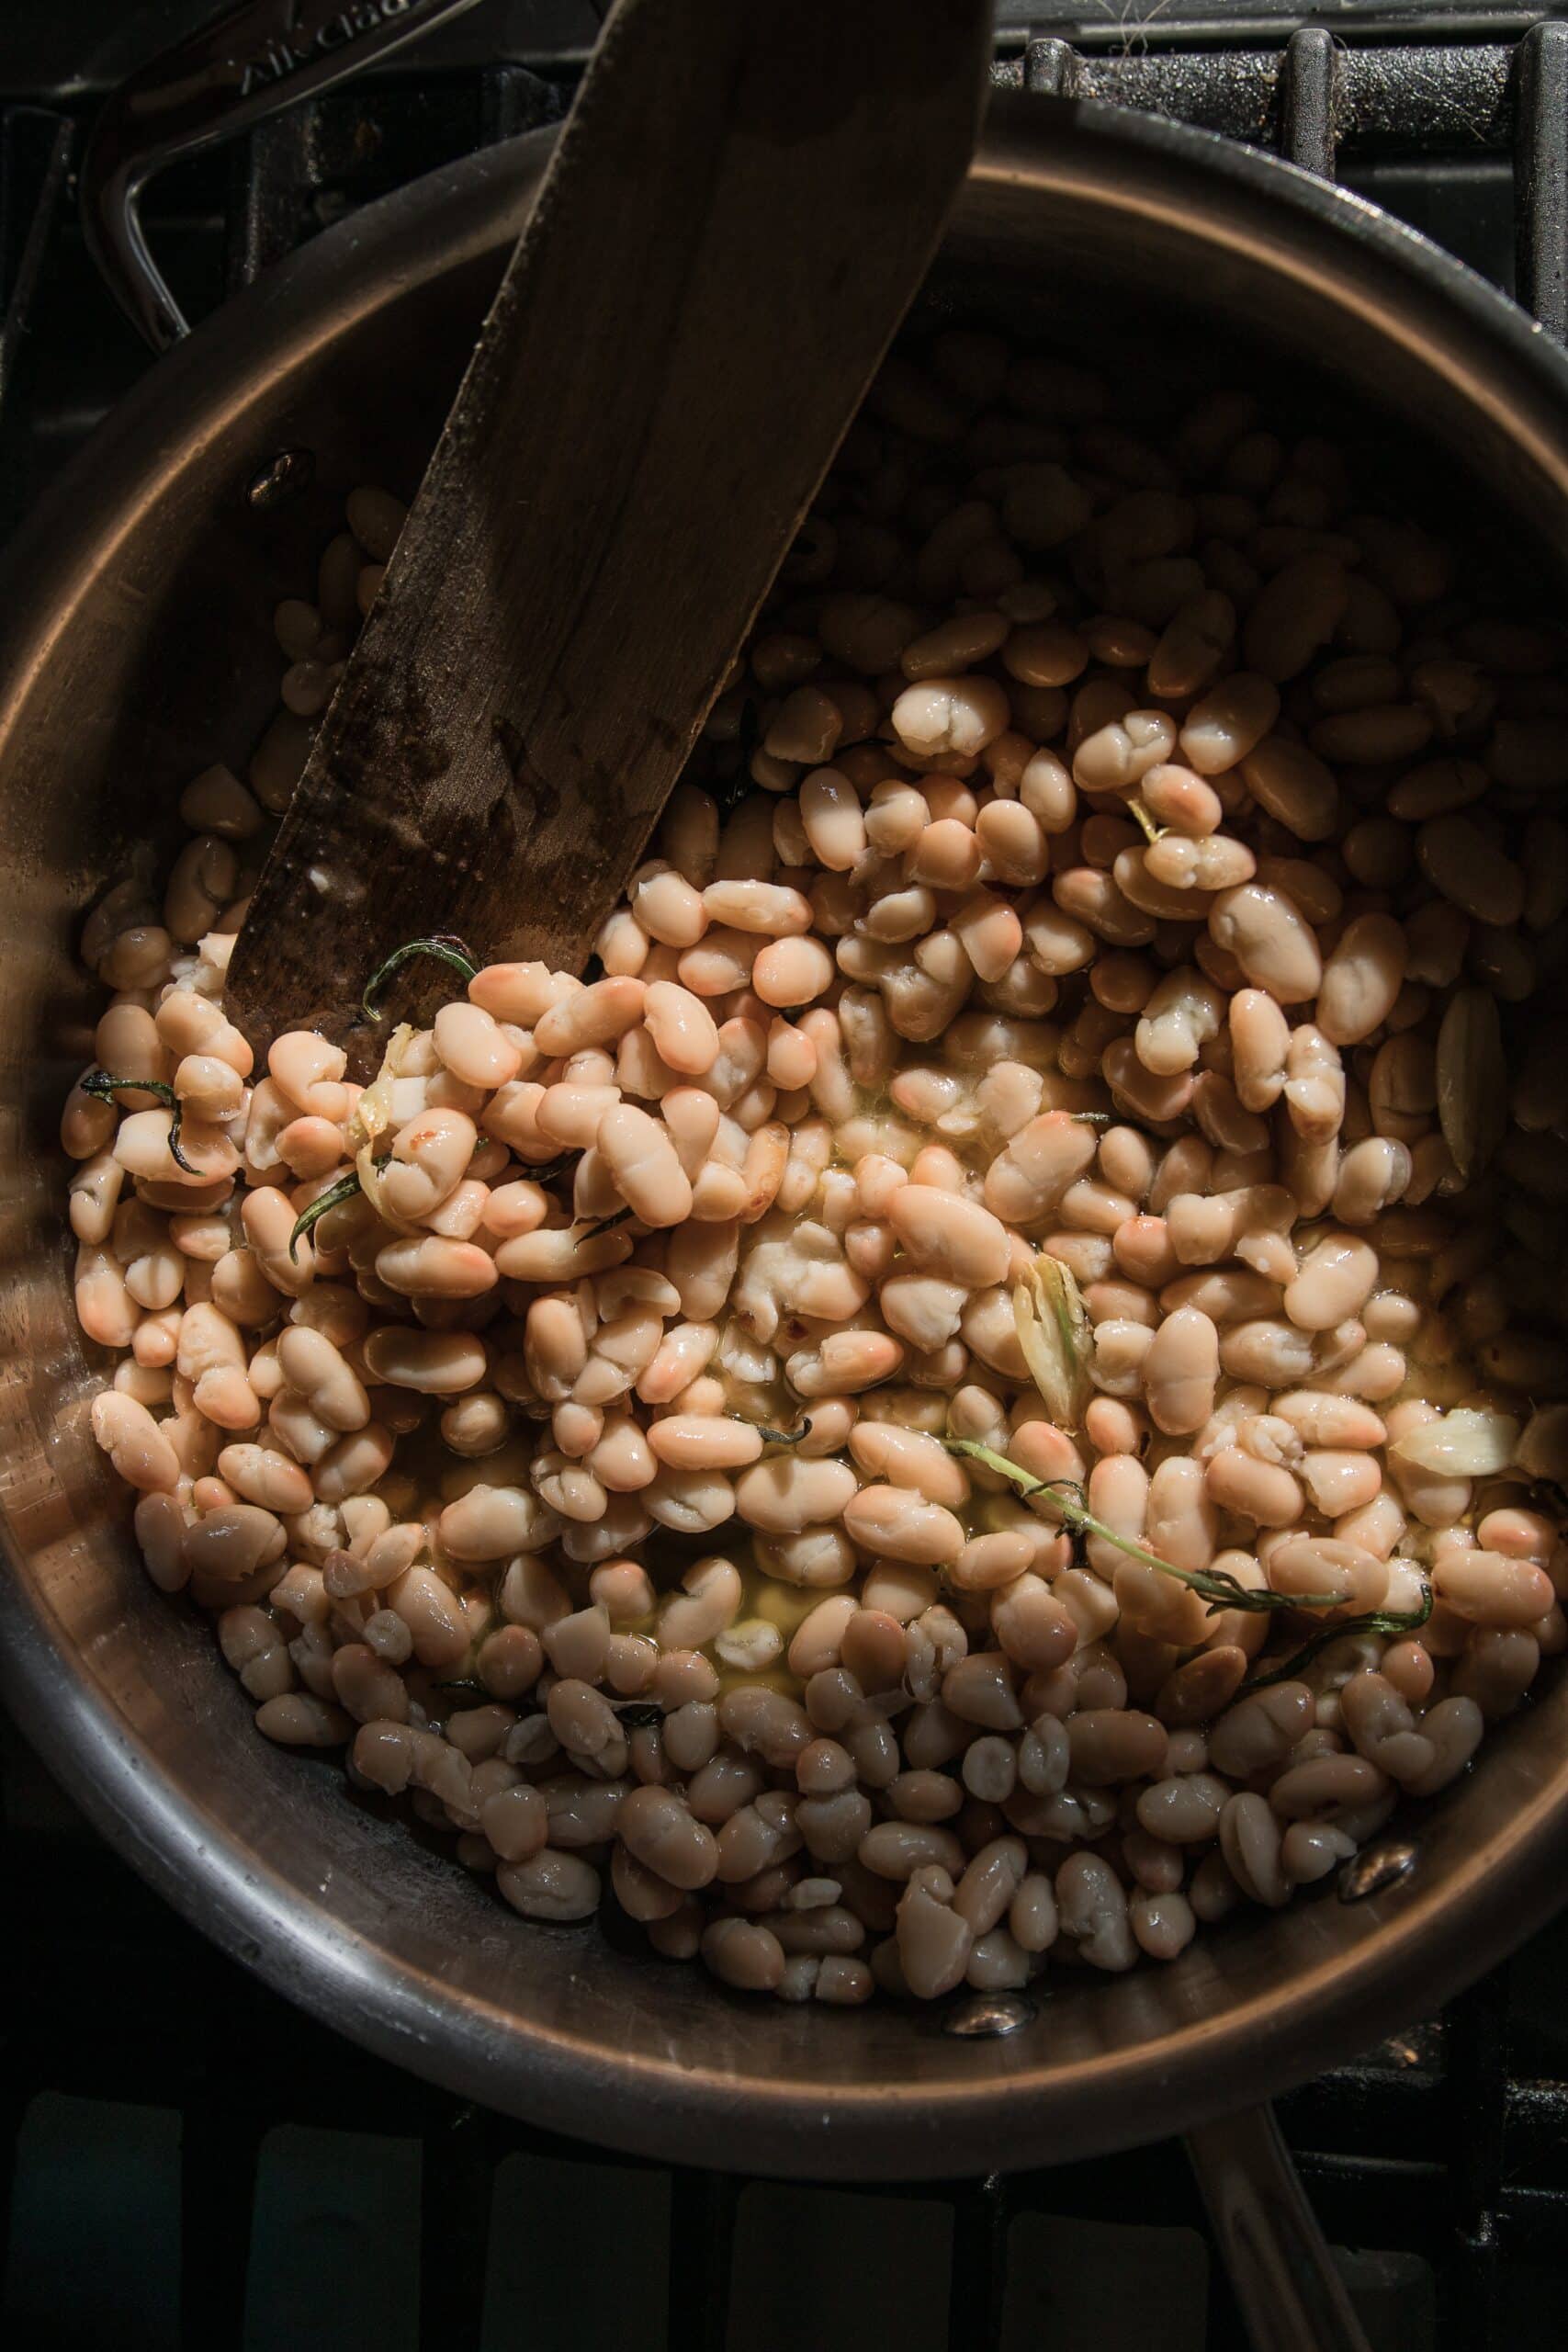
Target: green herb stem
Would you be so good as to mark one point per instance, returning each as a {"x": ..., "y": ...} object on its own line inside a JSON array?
[
  {"x": 335, "y": 1195},
  {"x": 1216, "y": 1586},
  {"x": 601, "y": 1224},
  {"x": 1376, "y": 1621},
  {"x": 442, "y": 945},
  {"x": 99, "y": 1083},
  {"x": 775, "y": 1437},
  {"x": 343, "y": 1190},
  {"x": 552, "y": 1167}
]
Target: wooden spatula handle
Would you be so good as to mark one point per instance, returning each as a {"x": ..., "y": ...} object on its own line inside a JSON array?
[
  {"x": 743, "y": 198},
  {"x": 737, "y": 213}
]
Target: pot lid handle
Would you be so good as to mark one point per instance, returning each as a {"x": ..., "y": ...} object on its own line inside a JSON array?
[
  {"x": 1291, "y": 2297},
  {"x": 251, "y": 62}
]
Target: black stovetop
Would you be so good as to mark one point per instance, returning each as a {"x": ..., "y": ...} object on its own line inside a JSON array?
[{"x": 185, "y": 2159}]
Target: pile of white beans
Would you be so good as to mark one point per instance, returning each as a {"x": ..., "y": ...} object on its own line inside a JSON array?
[{"x": 1138, "y": 853}]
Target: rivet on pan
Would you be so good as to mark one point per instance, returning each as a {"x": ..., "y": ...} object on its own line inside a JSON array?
[
  {"x": 987, "y": 2016},
  {"x": 281, "y": 477},
  {"x": 1379, "y": 1866}
]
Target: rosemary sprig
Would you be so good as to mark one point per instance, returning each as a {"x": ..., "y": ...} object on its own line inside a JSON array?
[
  {"x": 637, "y": 1715},
  {"x": 1216, "y": 1586},
  {"x": 551, "y": 1169},
  {"x": 442, "y": 945},
  {"x": 101, "y": 1083},
  {"x": 1376, "y": 1621},
  {"x": 775, "y": 1437},
  {"x": 602, "y": 1223},
  {"x": 343, "y": 1190}
]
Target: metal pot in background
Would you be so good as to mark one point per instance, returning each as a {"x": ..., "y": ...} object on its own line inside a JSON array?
[{"x": 138, "y": 652}]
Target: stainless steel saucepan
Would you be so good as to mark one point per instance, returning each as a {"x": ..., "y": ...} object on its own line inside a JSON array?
[{"x": 138, "y": 650}]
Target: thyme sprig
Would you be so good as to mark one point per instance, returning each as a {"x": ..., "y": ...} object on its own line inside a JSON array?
[
  {"x": 103, "y": 1086},
  {"x": 1216, "y": 1586},
  {"x": 443, "y": 945},
  {"x": 1375, "y": 1620}
]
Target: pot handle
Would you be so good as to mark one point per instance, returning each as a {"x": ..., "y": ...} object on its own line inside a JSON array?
[
  {"x": 256, "y": 60},
  {"x": 1291, "y": 2297}
]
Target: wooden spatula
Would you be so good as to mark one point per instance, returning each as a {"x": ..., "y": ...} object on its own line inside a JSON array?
[{"x": 744, "y": 200}]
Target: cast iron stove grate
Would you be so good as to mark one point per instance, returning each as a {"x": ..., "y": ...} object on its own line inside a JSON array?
[{"x": 187, "y": 2161}]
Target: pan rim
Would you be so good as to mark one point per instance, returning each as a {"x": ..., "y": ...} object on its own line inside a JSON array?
[{"x": 1421, "y": 1941}]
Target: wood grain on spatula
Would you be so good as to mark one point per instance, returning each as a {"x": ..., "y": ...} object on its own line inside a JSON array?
[{"x": 743, "y": 201}]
